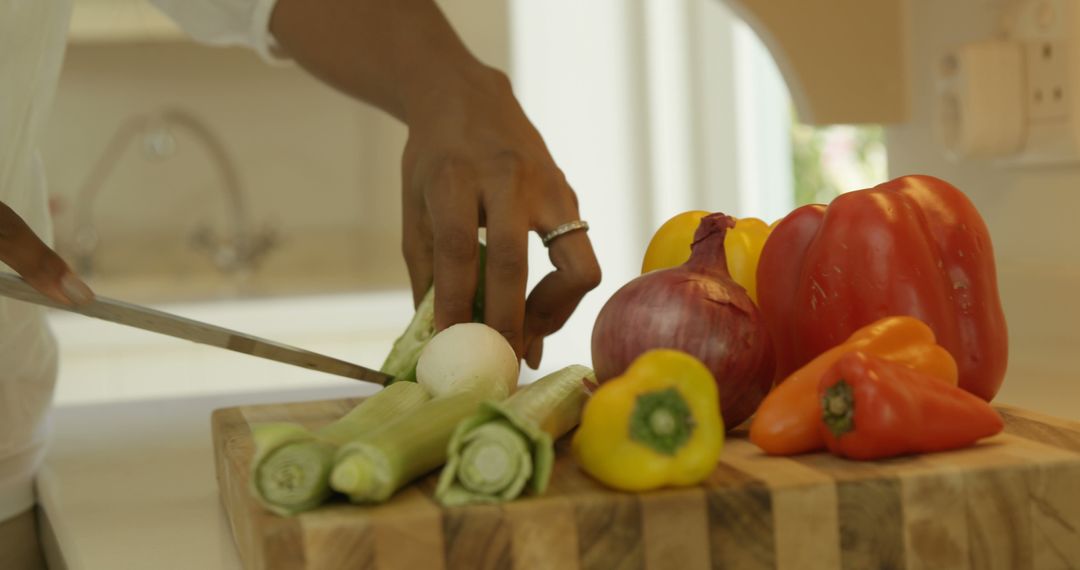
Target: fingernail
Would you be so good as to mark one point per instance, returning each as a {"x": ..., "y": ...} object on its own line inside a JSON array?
[
  {"x": 533, "y": 354},
  {"x": 75, "y": 290}
]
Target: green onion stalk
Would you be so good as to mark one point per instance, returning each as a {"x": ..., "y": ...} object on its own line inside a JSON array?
[
  {"x": 291, "y": 468},
  {"x": 401, "y": 362},
  {"x": 372, "y": 468},
  {"x": 508, "y": 446}
]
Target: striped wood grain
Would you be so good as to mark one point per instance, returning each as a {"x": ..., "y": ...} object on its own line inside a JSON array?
[{"x": 1013, "y": 501}]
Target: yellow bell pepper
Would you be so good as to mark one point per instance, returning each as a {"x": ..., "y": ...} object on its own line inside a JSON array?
[
  {"x": 670, "y": 246},
  {"x": 742, "y": 246},
  {"x": 658, "y": 424}
]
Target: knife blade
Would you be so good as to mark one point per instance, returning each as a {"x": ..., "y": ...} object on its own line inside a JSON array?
[{"x": 176, "y": 326}]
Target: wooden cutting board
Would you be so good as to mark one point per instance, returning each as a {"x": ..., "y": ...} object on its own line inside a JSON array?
[{"x": 1011, "y": 502}]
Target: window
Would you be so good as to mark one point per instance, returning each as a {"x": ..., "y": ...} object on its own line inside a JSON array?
[
  {"x": 827, "y": 161},
  {"x": 822, "y": 161},
  {"x": 722, "y": 120},
  {"x": 656, "y": 107}
]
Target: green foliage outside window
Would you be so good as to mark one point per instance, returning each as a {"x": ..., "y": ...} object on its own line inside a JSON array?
[{"x": 834, "y": 159}]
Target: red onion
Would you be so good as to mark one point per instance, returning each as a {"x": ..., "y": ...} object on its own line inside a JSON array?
[{"x": 696, "y": 308}]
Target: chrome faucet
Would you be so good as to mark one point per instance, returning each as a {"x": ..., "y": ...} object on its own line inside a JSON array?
[{"x": 241, "y": 249}]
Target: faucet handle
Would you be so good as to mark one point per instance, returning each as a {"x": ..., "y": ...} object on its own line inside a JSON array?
[
  {"x": 241, "y": 251},
  {"x": 259, "y": 244}
]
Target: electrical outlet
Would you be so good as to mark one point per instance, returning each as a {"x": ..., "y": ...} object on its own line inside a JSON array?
[
  {"x": 1049, "y": 31},
  {"x": 982, "y": 104},
  {"x": 1047, "y": 74}
]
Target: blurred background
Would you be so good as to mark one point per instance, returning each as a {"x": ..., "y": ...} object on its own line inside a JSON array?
[
  {"x": 186, "y": 172},
  {"x": 207, "y": 182}
]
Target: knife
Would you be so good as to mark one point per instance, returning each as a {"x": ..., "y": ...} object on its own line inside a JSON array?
[{"x": 180, "y": 327}]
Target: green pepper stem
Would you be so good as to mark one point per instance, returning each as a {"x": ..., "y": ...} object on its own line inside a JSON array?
[
  {"x": 662, "y": 421},
  {"x": 838, "y": 408}
]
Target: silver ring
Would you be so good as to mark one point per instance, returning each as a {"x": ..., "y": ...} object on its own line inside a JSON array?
[{"x": 564, "y": 229}]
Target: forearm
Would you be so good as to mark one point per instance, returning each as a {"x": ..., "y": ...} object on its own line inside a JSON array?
[
  {"x": 473, "y": 159},
  {"x": 390, "y": 53}
]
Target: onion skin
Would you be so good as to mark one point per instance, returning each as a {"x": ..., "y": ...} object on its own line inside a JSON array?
[{"x": 697, "y": 308}]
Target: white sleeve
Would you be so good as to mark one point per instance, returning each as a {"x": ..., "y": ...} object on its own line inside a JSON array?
[{"x": 227, "y": 23}]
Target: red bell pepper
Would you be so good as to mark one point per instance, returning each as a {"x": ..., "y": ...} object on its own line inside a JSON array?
[
  {"x": 872, "y": 408},
  {"x": 911, "y": 246}
]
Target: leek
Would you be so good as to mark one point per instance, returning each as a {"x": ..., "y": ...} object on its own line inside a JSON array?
[
  {"x": 291, "y": 468},
  {"x": 401, "y": 362},
  {"x": 405, "y": 353},
  {"x": 505, "y": 447},
  {"x": 371, "y": 468},
  {"x": 462, "y": 366}
]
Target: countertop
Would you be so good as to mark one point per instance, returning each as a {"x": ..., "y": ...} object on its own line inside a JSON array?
[
  {"x": 131, "y": 485},
  {"x": 128, "y": 482}
]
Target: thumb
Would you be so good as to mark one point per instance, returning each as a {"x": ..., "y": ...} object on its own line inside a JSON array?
[{"x": 39, "y": 265}]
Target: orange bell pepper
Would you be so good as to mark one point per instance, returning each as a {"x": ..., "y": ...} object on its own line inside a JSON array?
[
  {"x": 787, "y": 421},
  {"x": 670, "y": 246}
]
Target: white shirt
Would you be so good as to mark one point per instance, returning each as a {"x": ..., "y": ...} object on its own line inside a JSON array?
[{"x": 33, "y": 34}]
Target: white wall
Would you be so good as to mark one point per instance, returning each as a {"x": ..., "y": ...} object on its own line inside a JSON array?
[
  {"x": 1031, "y": 213},
  {"x": 766, "y": 183},
  {"x": 574, "y": 69},
  {"x": 319, "y": 168},
  {"x": 718, "y": 111},
  {"x": 638, "y": 102},
  {"x": 651, "y": 108}
]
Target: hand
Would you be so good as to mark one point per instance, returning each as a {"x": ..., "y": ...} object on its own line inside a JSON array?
[
  {"x": 474, "y": 160},
  {"x": 21, "y": 250}
]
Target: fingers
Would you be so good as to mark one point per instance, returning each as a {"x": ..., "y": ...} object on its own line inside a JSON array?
[
  {"x": 452, "y": 201},
  {"x": 440, "y": 244},
  {"x": 554, "y": 299},
  {"x": 416, "y": 237},
  {"x": 21, "y": 250},
  {"x": 507, "y": 266},
  {"x": 534, "y": 352}
]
